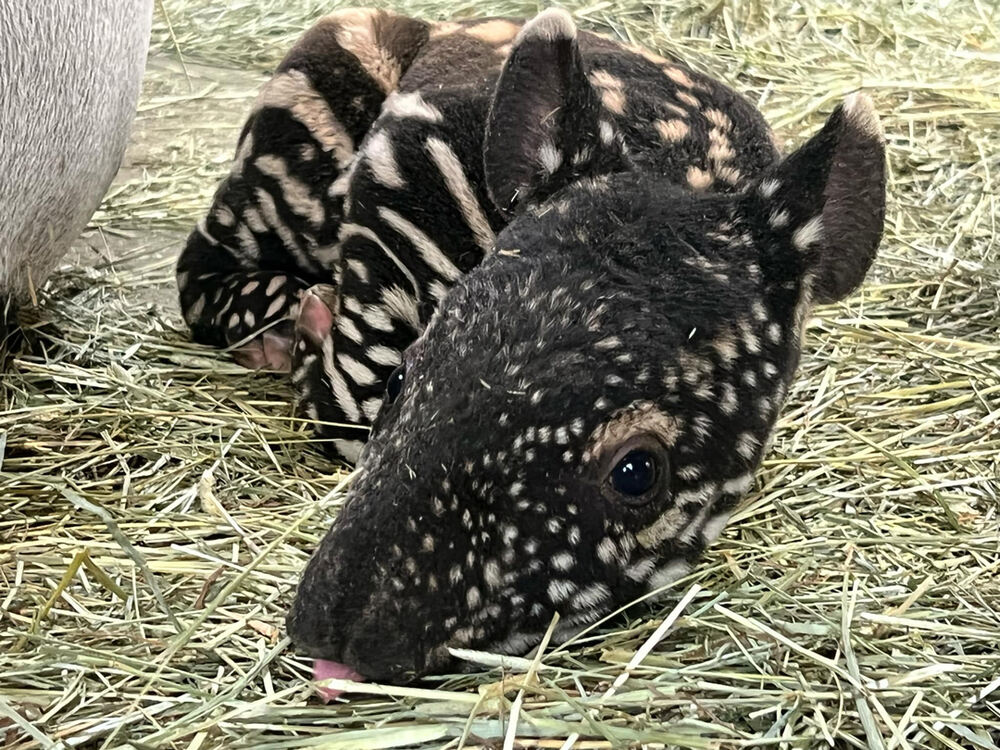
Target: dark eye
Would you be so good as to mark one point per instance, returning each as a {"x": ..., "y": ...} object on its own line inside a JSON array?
[
  {"x": 395, "y": 383},
  {"x": 635, "y": 474}
]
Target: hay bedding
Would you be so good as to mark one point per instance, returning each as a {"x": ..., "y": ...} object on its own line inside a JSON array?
[{"x": 158, "y": 502}]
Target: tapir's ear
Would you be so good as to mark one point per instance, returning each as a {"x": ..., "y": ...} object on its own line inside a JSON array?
[
  {"x": 828, "y": 199},
  {"x": 314, "y": 323},
  {"x": 544, "y": 127}
]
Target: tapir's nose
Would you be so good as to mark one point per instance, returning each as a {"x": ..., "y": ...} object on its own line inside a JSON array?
[
  {"x": 346, "y": 613},
  {"x": 382, "y": 646}
]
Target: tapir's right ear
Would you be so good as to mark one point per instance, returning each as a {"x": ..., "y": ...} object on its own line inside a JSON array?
[
  {"x": 826, "y": 202},
  {"x": 545, "y": 126}
]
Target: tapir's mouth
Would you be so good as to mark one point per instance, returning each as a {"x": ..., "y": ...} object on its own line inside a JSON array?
[{"x": 328, "y": 670}]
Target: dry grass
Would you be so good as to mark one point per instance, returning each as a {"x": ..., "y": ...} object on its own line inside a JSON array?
[{"x": 158, "y": 502}]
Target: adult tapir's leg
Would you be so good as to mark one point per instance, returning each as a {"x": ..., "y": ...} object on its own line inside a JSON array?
[
  {"x": 272, "y": 229},
  {"x": 70, "y": 75}
]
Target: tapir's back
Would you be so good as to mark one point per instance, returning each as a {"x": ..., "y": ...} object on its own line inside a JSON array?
[{"x": 682, "y": 124}]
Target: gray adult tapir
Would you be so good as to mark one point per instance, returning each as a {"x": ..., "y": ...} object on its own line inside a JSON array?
[{"x": 70, "y": 72}]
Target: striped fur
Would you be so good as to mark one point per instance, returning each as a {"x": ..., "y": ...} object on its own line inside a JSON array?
[{"x": 361, "y": 166}]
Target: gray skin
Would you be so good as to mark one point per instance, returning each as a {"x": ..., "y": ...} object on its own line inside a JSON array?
[
  {"x": 70, "y": 73},
  {"x": 619, "y": 312}
]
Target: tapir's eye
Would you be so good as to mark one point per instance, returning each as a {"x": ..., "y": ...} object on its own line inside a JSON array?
[
  {"x": 395, "y": 383},
  {"x": 635, "y": 474}
]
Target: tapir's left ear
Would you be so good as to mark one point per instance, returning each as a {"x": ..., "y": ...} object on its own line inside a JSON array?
[
  {"x": 827, "y": 200},
  {"x": 544, "y": 127}
]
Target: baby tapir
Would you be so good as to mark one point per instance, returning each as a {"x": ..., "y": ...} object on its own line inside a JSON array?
[{"x": 577, "y": 272}]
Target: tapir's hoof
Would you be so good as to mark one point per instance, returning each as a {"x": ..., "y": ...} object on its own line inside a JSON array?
[{"x": 271, "y": 350}]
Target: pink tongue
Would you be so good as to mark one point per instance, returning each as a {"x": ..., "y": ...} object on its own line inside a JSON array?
[{"x": 326, "y": 670}]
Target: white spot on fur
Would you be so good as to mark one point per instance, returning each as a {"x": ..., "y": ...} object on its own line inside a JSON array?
[
  {"x": 356, "y": 371},
  {"x": 276, "y": 304},
  {"x": 195, "y": 310},
  {"x": 698, "y": 178},
  {"x": 491, "y": 574},
  {"x": 737, "y": 486},
  {"x": 275, "y": 284},
  {"x": 611, "y": 88},
  {"x": 562, "y": 561},
  {"x": 411, "y": 105},
  {"x": 472, "y": 597},
  {"x": 779, "y": 219},
  {"x": 719, "y": 119},
  {"x": 641, "y": 570},
  {"x": 678, "y": 76},
  {"x": 728, "y": 401},
  {"x": 668, "y": 574},
  {"x": 746, "y": 445},
  {"x": 808, "y": 234},
  {"x": 606, "y": 132},
  {"x": 673, "y": 130},
  {"x": 591, "y": 596},
  {"x": 713, "y": 527},
  {"x": 549, "y": 157},
  {"x": 359, "y": 269},
  {"x": 607, "y": 551},
  {"x": 560, "y": 590},
  {"x": 768, "y": 188},
  {"x": 688, "y": 99}
]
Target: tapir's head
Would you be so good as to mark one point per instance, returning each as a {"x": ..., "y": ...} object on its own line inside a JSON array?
[{"x": 585, "y": 408}]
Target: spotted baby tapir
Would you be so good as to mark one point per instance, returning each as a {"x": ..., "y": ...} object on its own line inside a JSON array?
[{"x": 563, "y": 282}]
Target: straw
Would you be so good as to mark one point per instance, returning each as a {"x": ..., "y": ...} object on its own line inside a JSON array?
[{"x": 159, "y": 502}]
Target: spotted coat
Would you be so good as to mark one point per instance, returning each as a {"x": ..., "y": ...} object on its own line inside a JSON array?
[
  {"x": 361, "y": 167},
  {"x": 557, "y": 251}
]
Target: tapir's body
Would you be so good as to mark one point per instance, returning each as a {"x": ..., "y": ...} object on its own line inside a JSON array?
[
  {"x": 564, "y": 281},
  {"x": 372, "y": 179},
  {"x": 70, "y": 72}
]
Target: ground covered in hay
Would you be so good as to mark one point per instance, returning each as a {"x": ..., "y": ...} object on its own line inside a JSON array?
[{"x": 158, "y": 501}]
